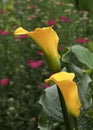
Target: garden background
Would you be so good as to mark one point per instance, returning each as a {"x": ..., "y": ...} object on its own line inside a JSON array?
[{"x": 22, "y": 64}]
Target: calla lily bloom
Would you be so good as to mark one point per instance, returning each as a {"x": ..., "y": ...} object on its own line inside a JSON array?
[
  {"x": 69, "y": 91},
  {"x": 47, "y": 39}
]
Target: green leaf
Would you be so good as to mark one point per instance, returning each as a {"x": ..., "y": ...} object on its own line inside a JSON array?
[
  {"x": 50, "y": 103},
  {"x": 83, "y": 55},
  {"x": 89, "y": 113},
  {"x": 47, "y": 123},
  {"x": 85, "y": 122},
  {"x": 43, "y": 122}
]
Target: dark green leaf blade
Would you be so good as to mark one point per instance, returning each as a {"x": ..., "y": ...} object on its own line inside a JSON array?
[
  {"x": 50, "y": 103},
  {"x": 83, "y": 55}
]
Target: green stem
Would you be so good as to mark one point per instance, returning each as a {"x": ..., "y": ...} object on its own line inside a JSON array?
[
  {"x": 75, "y": 123},
  {"x": 64, "y": 110}
]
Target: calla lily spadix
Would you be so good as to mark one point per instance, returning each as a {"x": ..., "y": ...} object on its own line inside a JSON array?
[
  {"x": 69, "y": 91},
  {"x": 47, "y": 39}
]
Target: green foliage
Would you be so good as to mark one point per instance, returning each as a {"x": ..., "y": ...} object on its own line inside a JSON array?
[
  {"x": 51, "y": 106},
  {"x": 48, "y": 119},
  {"x": 48, "y": 123},
  {"x": 83, "y": 55},
  {"x": 19, "y": 108},
  {"x": 50, "y": 101}
]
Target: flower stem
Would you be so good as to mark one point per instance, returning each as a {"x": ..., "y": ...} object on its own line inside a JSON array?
[
  {"x": 64, "y": 110},
  {"x": 75, "y": 123}
]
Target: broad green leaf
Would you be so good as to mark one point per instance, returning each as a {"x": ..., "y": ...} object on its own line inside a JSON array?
[
  {"x": 85, "y": 122},
  {"x": 89, "y": 113},
  {"x": 47, "y": 123},
  {"x": 83, "y": 55},
  {"x": 50, "y": 103}
]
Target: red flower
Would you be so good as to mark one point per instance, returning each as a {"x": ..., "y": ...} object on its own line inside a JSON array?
[
  {"x": 82, "y": 40},
  {"x": 2, "y": 32},
  {"x": 4, "y": 82},
  {"x": 35, "y": 64},
  {"x": 51, "y": 22},
  {"x": 65, "y": 19}
]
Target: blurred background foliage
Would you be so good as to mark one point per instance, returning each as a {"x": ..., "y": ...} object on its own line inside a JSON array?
[{"x": 20, "y": 84}]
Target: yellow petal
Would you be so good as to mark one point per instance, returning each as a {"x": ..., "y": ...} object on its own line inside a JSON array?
[
  {"x": 61, "y": 76},
  {"x": 47, "y": 39},
  {"x": 70, "y": 94},
  {"x": 20, "y": 31},
  {"x": 69, "y": 91}
]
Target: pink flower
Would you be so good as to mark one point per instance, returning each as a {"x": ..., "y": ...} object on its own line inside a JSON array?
[
  {"x": 2, "y": 32},
  {"x": 82, "y": 40},
  {"x": 62, "y": 48},
  {"x": 22, "y": 36},
  {"x": 65, "y": 19},
  {"x": 46, "y": 85},
  {"x": 35, "y": 64},
  {"x": 39, "y": 52},
  {"x": 51, "y": 22},
  {"x": 4, "y": 82},
  {"x": 43, "y": 86}
]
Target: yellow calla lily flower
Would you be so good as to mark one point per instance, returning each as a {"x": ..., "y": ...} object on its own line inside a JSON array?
[
  {"x": 47, "y": 39},
  {"x": 69, "y": 91}
]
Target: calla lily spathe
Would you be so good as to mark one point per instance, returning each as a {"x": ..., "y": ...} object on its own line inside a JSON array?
[
  {"x": 47, "y": 39},
  {"x": 69, "y": 91}
]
